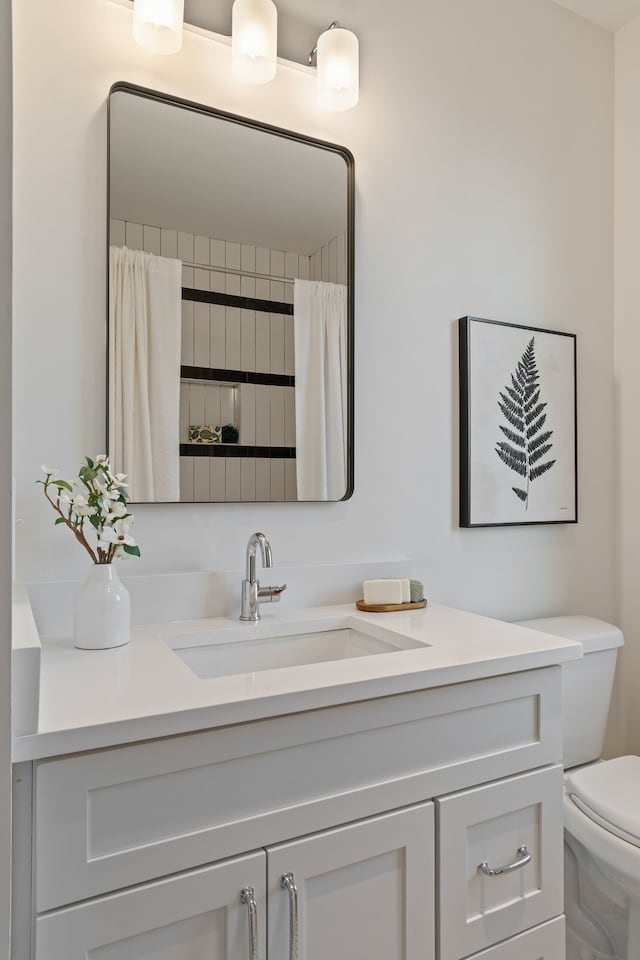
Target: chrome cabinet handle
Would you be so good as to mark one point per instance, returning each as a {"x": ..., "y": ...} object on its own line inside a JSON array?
[
  {"x": 524, "y": 857},
  {"x": 289, "y": 884},
  {"x": 248, "y": 897}
]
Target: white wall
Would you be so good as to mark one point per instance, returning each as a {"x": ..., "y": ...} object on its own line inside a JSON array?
[
  {"x": 626, "y": 717},
  {"x": 5, "y": 474},
  {"x": 483, "y": 145}
]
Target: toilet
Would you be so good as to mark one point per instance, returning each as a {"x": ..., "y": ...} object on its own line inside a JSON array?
[{"x": 601, "y": 803}]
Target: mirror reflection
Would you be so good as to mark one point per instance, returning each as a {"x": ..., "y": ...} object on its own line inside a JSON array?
[{"x": 230, "y": 307}]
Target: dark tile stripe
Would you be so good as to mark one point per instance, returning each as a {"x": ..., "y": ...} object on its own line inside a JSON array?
[
  {"x": 236, "y": 376},
  {"x": 236, "y": 450},
  {"x": 231, "y": 300}
]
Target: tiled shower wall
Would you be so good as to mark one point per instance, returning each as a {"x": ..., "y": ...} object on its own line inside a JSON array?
[
  {"x": 228, "y": 337},
  {"x": 329, "y": 263}
]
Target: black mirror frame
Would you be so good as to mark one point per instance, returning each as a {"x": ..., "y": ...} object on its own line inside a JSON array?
[{"x": 347, "y": 156}]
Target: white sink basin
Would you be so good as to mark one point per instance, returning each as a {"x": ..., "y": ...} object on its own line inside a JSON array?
[{"x": 217, "y": 658}]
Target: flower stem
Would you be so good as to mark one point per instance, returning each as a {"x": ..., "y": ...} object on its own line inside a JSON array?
[{"x": 78, "y": 534}]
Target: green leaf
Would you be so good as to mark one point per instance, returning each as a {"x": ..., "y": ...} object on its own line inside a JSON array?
[
  {"x": 132, "y": 551},
  {"x": 94, "y": 521},
  {"x": 59, "y": 520},
  {"x": 62, "y": 485}
]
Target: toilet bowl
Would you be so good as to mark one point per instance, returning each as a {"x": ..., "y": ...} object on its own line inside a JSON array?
[{"x": 601, "y": 803}]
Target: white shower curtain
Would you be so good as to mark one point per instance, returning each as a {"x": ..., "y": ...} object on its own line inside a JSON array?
[
  {"x": 145, "y": 309},
  {"x": 320, "y": 323}
]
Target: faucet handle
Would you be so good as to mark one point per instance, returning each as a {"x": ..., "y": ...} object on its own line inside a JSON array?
[{"x": 271, "y": 594}]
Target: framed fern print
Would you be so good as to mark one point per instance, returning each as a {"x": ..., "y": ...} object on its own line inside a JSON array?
[{"x": 518, "y": 436}]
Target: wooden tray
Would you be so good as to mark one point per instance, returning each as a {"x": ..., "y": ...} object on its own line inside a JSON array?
[{"x": 389, "y": 607}]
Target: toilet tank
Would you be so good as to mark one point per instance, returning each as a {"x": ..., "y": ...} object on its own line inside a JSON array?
[{"x": 586, "y": 684}]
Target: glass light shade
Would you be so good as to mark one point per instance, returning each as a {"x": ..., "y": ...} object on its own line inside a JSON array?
[
  {"x": 338, "y": 69},
  {"x": 254, "y": 40},
  {"x": 157, "y": 24}
]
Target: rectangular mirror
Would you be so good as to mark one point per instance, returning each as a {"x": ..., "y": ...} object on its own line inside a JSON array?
[{"x": 230, "y": 306}]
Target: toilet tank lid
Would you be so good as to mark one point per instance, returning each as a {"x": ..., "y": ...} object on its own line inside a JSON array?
[{"x": 594, "y": 635}]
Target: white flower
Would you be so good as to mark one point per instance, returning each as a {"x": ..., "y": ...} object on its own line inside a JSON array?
[
  {"x": 81, "y": 506},
  {"x": 117, "y": 511},
  {"x": 100, "y": 496},
  {"x": 101, "y": 483},
  {"x": 118, "y": 534}
]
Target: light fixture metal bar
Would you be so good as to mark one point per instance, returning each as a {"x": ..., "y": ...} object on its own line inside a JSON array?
[{"x": 332, "y": 26}]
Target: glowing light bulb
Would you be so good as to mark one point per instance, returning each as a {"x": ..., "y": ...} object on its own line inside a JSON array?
[
  {"x": 254, "y": 40},
  {"x": 157, "y": 24},
  {"x": 338, "y": 69}
]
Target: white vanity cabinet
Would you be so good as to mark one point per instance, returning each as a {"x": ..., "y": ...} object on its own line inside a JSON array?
[{"x": 377, "y": 812}]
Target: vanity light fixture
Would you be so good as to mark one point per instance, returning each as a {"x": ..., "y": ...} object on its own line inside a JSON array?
[
  {"x": 254, "y": 40},
  {"x": 337, "y": 53},
  {"x": 157, "y": 24}
]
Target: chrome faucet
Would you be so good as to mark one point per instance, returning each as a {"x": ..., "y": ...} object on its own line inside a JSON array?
[{"x": 252, "y": 593}]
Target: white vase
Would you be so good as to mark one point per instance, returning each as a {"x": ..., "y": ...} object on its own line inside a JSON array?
[{"x": 102, "y": 611}]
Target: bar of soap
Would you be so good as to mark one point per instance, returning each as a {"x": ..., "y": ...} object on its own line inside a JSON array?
[{"x": 384, "y": 591}]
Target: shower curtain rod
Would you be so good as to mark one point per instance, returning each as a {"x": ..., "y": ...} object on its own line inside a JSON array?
[{"x": 238, "y": 273}]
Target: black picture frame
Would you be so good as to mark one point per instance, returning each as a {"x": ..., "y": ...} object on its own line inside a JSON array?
[{"x": 486, "y": 475}]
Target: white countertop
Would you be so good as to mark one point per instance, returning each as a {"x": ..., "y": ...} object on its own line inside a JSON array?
[{"x": 93, "y": 699}]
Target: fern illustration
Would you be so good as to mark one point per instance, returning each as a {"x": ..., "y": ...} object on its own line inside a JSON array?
[{"x": 526, "y": 442}]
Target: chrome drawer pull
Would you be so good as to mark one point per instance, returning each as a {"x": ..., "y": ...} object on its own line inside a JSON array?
[
  {"x": 524, "y": 857},
  {"x": 248, "y": 897},
  {"x": 289, "y": 884}
]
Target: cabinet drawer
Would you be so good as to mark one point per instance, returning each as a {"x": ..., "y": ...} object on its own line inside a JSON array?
[
  {"x": 546, "y": 942},
  {"x": 119, "y": 817},
  {"x": 491, "y": 825}
]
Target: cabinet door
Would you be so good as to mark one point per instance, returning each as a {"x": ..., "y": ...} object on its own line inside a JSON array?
[
  {"x": 361, "y": 892},
  {"x": 201, "y": 915}
]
